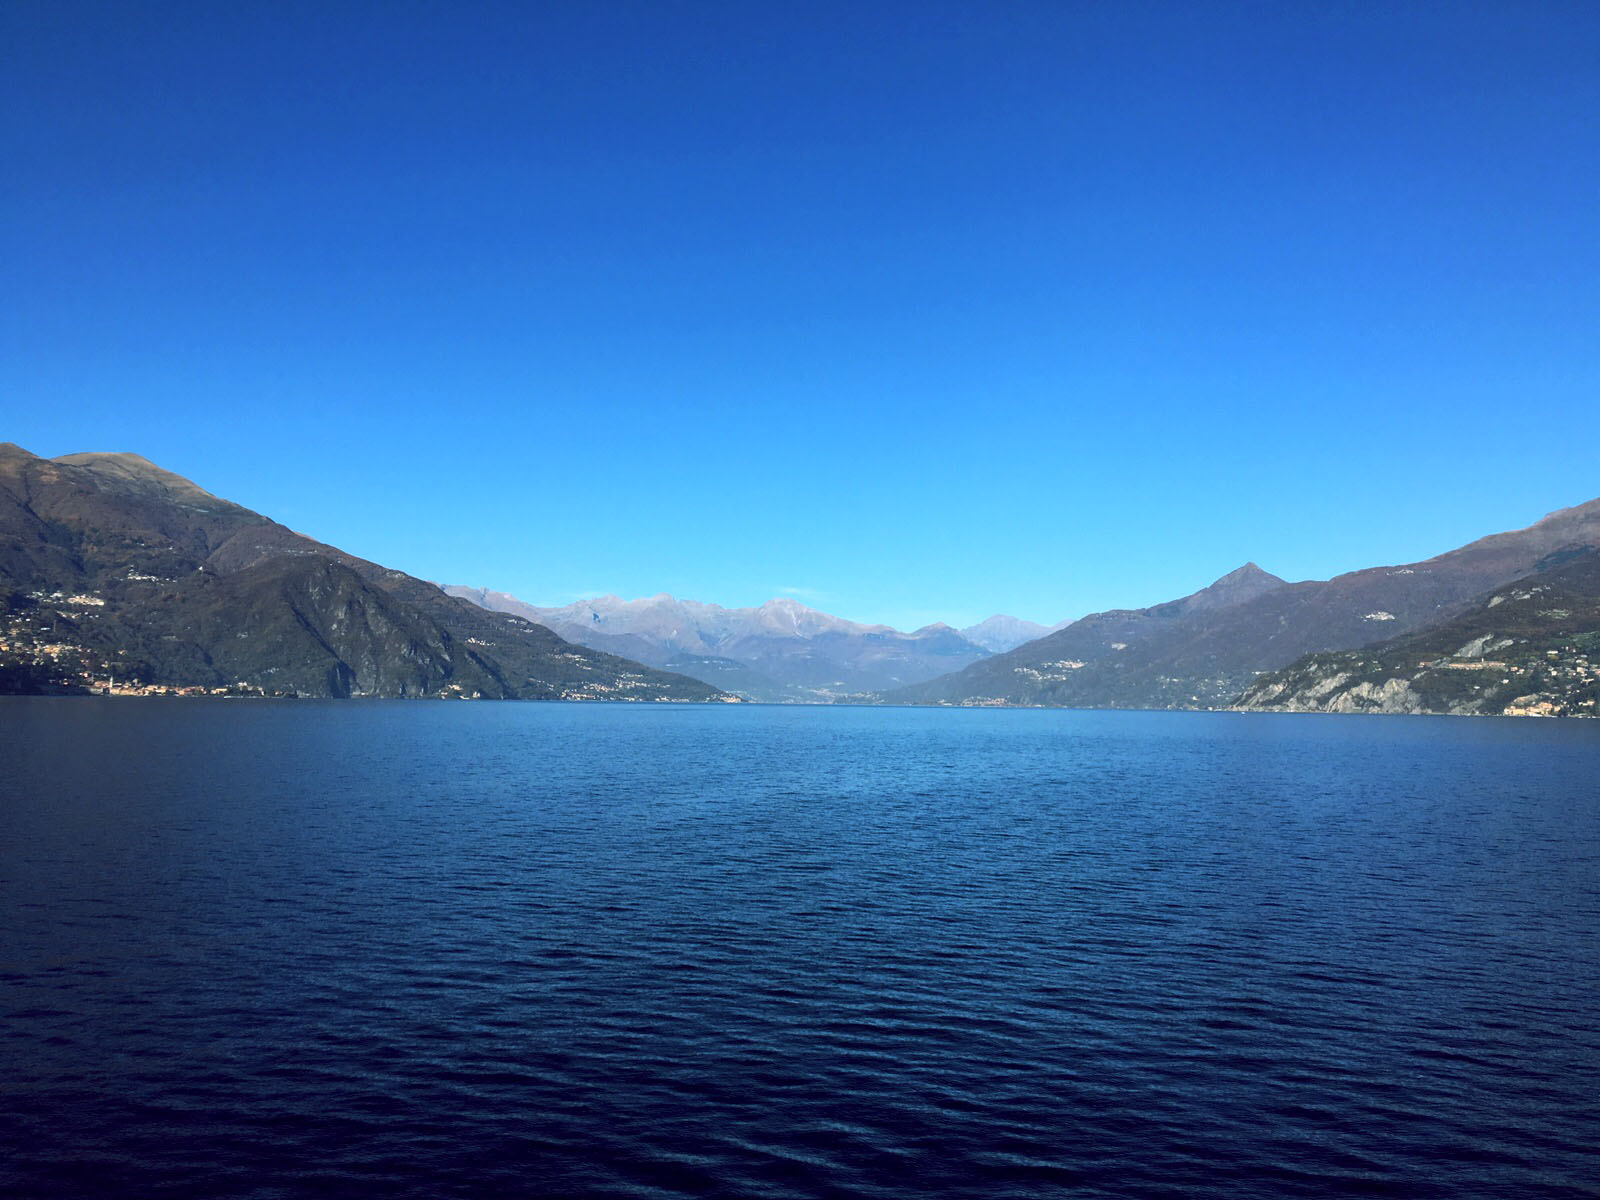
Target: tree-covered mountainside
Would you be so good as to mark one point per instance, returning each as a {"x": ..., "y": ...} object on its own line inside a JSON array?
[
  {"x": 1530, "y": 648},
  {"x": 1202, "y": 651},
  {"x": 113, "y": 570}
]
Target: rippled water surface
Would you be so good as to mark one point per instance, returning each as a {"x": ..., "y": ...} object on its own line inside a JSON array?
[{"x": 430, "y": 950}]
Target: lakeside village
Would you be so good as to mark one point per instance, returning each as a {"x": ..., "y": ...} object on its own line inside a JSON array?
[
  {"x": 1560, "y": 682},
  {"x": 42, "y": 652}
]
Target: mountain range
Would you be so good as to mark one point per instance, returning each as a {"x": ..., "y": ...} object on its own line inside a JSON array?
[
  {"x": 1204, "y": 650},
  {"x": 113, "y": 570},
  {"x": 117, "y": 573},
  {"x": 779, "y": 651}
]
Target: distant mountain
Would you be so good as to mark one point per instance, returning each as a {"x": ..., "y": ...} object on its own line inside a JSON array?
[
  {"x": 111, "y": 567},
  {"x": 1000, "y": 633},
  {"x": 1530, "y": 648},
  {"x": 780, "y": 651},
  {"x": 1205, "y": 649}
]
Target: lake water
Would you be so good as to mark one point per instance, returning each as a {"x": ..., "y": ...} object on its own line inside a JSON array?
[{"x": 431, "y": 949}]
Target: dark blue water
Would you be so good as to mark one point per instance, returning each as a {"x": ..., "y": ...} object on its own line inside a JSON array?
[{"x": 433, "y": 950}]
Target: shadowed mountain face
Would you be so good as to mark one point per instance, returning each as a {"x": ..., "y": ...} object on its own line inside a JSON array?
[
  {"x": 782, "y": 650},
  {"x": 1530, "y": 648},
  {"x": 129, "y": 569},
  {"x": 1205, "y": 649}
]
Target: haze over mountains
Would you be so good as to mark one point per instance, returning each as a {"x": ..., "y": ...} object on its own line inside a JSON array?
[
  {"x": 112, "y": 568},
  {"x": 1000, "y": 633},
  {"x": 781, "y": 650}
]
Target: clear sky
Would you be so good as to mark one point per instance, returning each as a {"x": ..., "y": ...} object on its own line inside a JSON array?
[{"x": 918, "y": 312}]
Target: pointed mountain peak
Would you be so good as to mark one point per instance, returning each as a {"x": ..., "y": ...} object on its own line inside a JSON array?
[
  {"x": 1237, "y": 586},
  {"x": 1249, "y": 573}
]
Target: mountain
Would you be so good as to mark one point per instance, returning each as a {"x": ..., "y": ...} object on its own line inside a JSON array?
[
  {"x": 111, "y": 567},
  {"x": 1530, "y": 648},
  {"x": 780, "y": 651},
  {"x": 1000, "y": 633},
  {"x": 1083, "y": 664},
  {"x": 1204, "y": 650}
]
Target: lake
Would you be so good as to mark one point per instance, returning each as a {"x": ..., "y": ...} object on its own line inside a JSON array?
[{"x": 434, "y": 949}]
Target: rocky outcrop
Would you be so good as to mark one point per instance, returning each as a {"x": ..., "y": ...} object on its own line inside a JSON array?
[{"x": 1337, "y": 692}]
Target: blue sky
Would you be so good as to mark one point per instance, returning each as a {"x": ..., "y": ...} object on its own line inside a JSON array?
[{"x": 918, "y": 312}]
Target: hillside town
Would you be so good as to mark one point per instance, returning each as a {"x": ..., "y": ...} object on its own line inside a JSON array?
[{"x": 43, "y": 649}]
